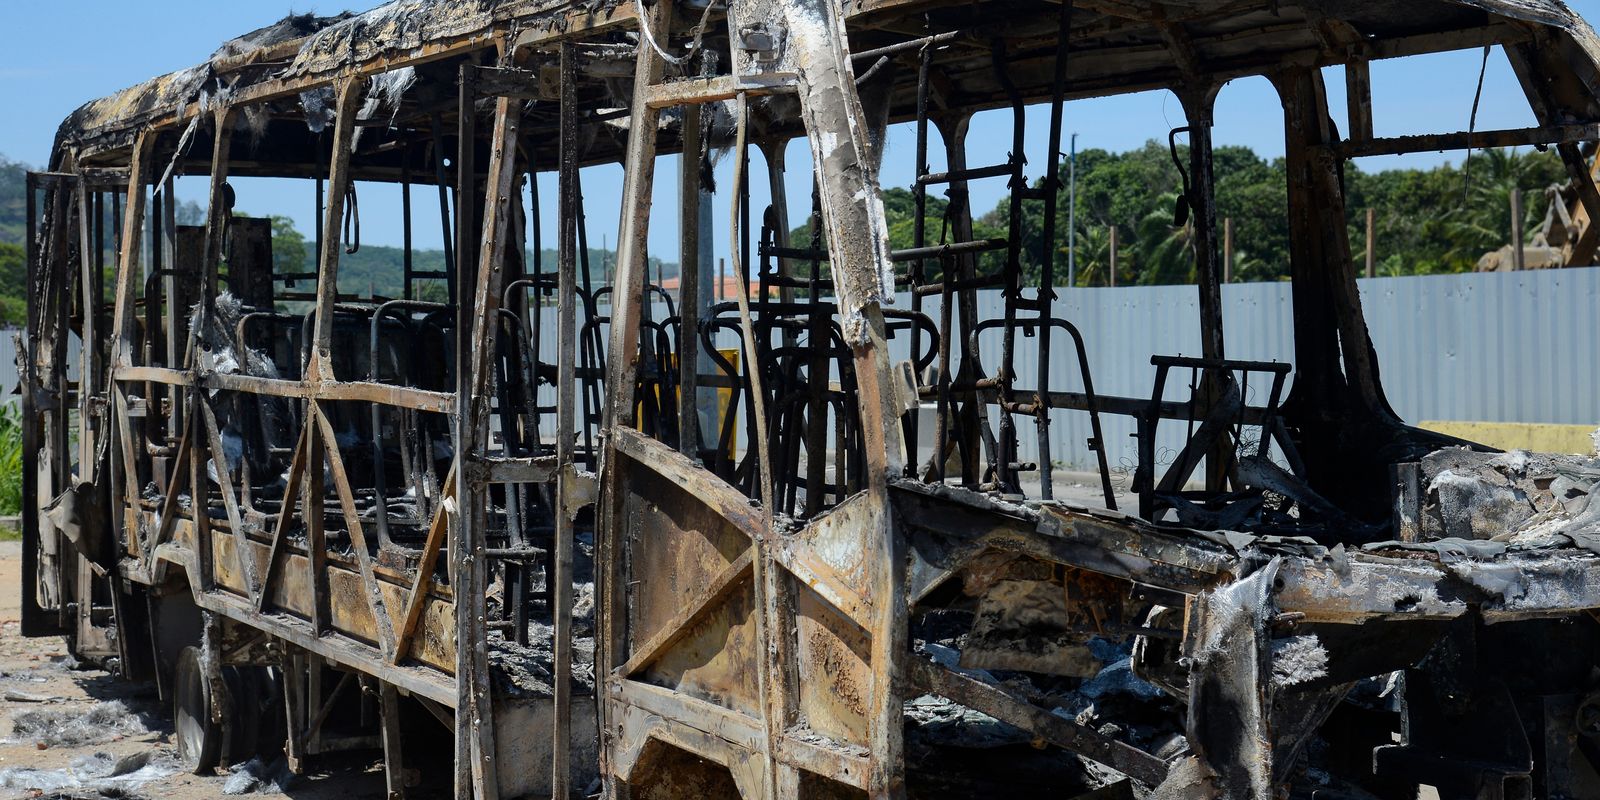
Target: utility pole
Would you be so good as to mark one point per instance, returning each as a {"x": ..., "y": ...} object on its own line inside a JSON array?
[
  {"x": 1516, "y": 231},
  {"x": 1113, "y": 249},
  {"x": 1227, "y": 250},
  {"x": 1372, "y": 245},
  {"x": 1072, "y": 214}
]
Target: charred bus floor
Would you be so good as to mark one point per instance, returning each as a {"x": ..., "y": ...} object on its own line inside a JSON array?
[{"x": 780, "y": 546}]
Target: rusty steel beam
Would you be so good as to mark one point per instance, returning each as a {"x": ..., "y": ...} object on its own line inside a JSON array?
[
  {"x": 219, "y": 461},
  {"x": 477, "y": 777},
  {"x": 610, "y": 543},
  {"x": 291, "y": 494},
  {"x": 432, "y": 546},
  {"x": 1472, "y": 140},
  {"x": 349, "y": 93},
  {"x": 560, "y": 579},
  {"x": 1065, "y": 733},
  {"x": 382, "y": 620}
]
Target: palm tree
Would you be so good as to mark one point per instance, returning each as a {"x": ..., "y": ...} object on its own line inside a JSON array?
[
  {"x": 1094, "y": 254},
  {"x": 1165, "y": 252},
  {"x": 1483, "y": 221}
]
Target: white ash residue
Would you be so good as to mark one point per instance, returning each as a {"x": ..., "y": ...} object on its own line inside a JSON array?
[
  {"x": 224, "y": 353},
  {"x": 319, "y": 107},
  {"x": 384, "y": 95},
  {"x": 288, "y": 29},
  {"x": 1297, "y": 660},
  {"x": 1518, "y": 498},
  {"x": 257, "y": 776},
  {"x": 96, "y": 775},
  {"x": 101, "y": 723}
]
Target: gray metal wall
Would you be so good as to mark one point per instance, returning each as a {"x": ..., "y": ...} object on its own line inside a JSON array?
[
  {"x": 8, "y": 363},
  {"x": 1512, "y": 347}
]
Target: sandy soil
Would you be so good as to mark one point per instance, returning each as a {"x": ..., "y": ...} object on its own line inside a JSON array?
[{"x": 37, "y": 677}]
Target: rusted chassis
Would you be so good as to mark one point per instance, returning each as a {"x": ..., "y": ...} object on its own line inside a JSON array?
[{"x": 779, "y": 650}]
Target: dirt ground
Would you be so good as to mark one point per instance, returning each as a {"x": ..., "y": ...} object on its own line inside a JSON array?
[{"x": 70, "y": 732}]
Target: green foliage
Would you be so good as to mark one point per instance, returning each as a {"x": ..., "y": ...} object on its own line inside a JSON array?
[
  {"x": 10, "y": 459},
  {"x": 13, "y": 284},
  {"x": 1428, "y": 221},
  {"x": 289, "y": 250}
]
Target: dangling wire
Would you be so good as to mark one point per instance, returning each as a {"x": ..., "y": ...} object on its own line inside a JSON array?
[
  {"x": 352, "y": 221},
  {"x": 650, "y": 38},
  {"x": 1472, "y": 126}
]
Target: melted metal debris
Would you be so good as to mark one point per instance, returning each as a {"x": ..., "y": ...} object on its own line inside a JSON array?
[
  {"x": 288, "y": 29},
  {"x": 1518, "y": 499},
  {"x": 1297, "y": 660},
  {"x": 222, "y": 353},
  {"x": 526, "y": 670},
  {"x": 260, "y": 777},
  {"x": 393, "y": 28}
]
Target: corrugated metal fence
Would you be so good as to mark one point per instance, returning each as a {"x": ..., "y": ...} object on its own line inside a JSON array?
[{"x": 1503, "y": 347}]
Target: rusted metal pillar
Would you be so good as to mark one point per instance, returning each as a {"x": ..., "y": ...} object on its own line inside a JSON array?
[
  {"x": 689, "y": 280},
  {"x": 969, "y": 410},
  {"x": 126, "y": 472},
  {"x": 611, "y": 596},
  {"x": 1198, "y": 104},
  {"x": 1333, "y": 352},
  {"x": 566, "y": 418},
  {"x": 1047, "y": 293},
  {"x": 475, "y": 372},
  {"x": 393, "y": 749},
  {"x": 349, "y": 97},
  {"x": 1358, "y": 95}
]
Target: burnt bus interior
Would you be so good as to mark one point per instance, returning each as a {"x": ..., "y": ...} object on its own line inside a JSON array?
[{"x": 544, "y": 431}]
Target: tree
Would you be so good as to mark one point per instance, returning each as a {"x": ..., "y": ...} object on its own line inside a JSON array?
[{"x": 289, "y": 252}]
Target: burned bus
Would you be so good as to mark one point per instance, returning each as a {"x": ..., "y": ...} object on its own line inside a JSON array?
[{"x": 594, "y": 535}]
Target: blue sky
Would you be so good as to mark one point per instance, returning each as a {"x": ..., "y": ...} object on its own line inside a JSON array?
[{"x": 45, "y": 74}]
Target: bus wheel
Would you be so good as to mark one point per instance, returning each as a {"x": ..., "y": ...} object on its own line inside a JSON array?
[{"x": 199, "y": 739}]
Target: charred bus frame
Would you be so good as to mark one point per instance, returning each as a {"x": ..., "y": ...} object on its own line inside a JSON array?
[{"x": 757, "y": 611}]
